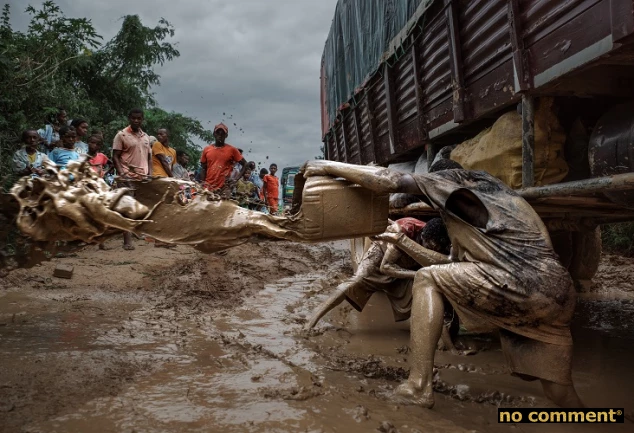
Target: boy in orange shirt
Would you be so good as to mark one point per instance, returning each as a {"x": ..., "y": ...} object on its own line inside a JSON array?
[{"x": 272, "y": 190}]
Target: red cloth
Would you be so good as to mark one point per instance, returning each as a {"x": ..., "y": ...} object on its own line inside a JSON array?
[
  {"x": 220, "y": 162},
  {"x": 410, "y": 226},
  {"x": 98, "y": 162}
]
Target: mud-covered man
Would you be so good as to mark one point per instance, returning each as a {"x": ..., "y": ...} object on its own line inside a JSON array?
[
  {"x": 385, "y": 268},
  {"x": 504, "y": 275}
]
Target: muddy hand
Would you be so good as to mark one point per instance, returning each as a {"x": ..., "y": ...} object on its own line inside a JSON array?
[
  {"x": 314, "y": 168},
  {"x": 393, "y": 238}
]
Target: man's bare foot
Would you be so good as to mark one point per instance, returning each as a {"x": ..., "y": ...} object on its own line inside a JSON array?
[
  {"x": 128, "y": 247},
  {"x": 406, "y": 393},
  {"x": 311, "y": 324}
]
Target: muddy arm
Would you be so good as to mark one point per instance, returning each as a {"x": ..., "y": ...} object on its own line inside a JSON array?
[
  {"x": 391, "y": 269},
  {"x": 422, "y": 255},
  {"x": 377, "y": 179}
]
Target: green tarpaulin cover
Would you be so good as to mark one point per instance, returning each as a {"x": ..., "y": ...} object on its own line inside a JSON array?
[{"x": 360, "y": 35}]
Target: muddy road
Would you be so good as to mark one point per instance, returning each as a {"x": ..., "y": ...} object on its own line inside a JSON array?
[{"x": 171, "y": 340}]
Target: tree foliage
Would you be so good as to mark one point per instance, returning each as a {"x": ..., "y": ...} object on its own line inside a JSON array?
[{"x": 61, "y": 61}]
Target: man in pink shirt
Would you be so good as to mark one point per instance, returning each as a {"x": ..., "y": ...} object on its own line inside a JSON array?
[{"x": 132, "y": 156}]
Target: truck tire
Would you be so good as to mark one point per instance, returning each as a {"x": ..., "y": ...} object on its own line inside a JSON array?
[
  {"x": 358, "y": 247},
  {"x": 579, "y": 252}
]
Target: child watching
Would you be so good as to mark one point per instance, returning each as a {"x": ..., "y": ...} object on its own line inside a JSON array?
[
  {"x": 245, "y": 189},
  {"x": 28, "y": 161},
  {"x": 97, "y": 160},
  {"x": 272, "y": 190},
  {"x": 63, "y": 155}
]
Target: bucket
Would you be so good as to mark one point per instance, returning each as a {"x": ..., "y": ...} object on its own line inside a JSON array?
[{"x": 333, "y": 209}]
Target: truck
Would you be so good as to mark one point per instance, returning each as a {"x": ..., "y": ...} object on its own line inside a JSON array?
[
  {"x": 288, "y": 185},
  {"x": 403, "y": 79}
]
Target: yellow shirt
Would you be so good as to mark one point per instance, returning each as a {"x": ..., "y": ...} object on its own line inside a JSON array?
[{"x": 168, "y": 152}]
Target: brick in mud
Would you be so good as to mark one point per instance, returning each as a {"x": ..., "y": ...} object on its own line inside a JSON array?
[{"x": 63, "y": 271}]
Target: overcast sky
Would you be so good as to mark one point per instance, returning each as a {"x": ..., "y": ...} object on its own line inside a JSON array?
[{"x": 258, "y": 61}]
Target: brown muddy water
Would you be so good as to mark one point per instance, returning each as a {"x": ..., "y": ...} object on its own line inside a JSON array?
[{"x": 171, "y": 340}]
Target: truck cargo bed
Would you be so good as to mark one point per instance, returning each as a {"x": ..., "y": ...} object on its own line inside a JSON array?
[{"x": 464, "y": 62}]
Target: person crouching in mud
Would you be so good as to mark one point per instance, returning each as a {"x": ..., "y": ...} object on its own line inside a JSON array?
[
  {"x": 505, "y": 275},
  {"x": 384, "y": 268}
]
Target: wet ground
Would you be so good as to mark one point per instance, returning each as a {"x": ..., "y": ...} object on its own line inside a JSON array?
[{"x": 171, "y": 340}]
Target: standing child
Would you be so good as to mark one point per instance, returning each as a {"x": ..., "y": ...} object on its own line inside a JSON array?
[
  {"x": 260, "y": 191},
  {"x": 98, "y": 161},
  {"x": 245, "y": 189},
  {"x": 63, "y": 155},
  {"x": 272, "y": 190},
  {"x": 28, "y": 161}
]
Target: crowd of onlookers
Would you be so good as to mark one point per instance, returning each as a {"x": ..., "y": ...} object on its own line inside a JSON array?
[
  {"x": 135, "y": 155},
  {"x": 60, "y": 142}
]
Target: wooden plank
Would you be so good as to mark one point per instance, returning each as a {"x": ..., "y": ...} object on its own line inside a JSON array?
[
  {"x": 371, "y": 123},
  {"x": 337, "y": 144},
  {"x": 357, "y": 131},
  {"x": 622, "y": 18},
  {"x": 528, "y": 141},
  {"x": 419, "y": 91},
  {"x": 388, "y": 82},
  {"x": 455, "y": 57},
  {"x": 617, "y": 182},
  {"x": 520, "y": 60},
  {"x": 346, "y": 148},
  {"x": 334, "y": 145}
]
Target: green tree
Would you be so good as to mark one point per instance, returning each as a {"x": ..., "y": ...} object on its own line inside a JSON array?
[{"x": 61, "y": 61}]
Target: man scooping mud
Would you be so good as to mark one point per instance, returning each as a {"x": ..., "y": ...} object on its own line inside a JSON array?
[
  {"x": 505, "y": 275},
  {"x": 384, "y": 268}
]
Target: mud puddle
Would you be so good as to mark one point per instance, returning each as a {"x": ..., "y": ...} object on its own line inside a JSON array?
[{"x": 166, "y": 350}]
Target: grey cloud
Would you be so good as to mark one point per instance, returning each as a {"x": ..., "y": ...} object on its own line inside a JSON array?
[{"x": 257, "y": 61}]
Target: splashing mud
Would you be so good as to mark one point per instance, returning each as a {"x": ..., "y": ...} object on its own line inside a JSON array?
[{"x": 75, "y": 204}]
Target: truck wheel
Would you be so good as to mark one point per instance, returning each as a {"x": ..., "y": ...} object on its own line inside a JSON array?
[
  {"x": 358, "y": 247},
  {"x": 579, "y": 252}
]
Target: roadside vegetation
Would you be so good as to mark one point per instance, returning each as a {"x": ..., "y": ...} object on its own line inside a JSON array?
[{"x": 63, "y": 62}]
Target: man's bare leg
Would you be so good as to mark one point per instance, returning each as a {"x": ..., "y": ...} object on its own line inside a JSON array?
[
  {"x": 562, "y": 395},
  {"x": 127, "y": 241},
  {"x": 425, "y": 330},
  {"x": 335, "y": 299}
]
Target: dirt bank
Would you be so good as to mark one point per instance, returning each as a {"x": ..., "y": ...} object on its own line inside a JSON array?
[{"x": 173, "y": 340}]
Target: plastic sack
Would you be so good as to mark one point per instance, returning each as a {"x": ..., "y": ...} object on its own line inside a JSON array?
[{"x": 498, "y": 149}]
